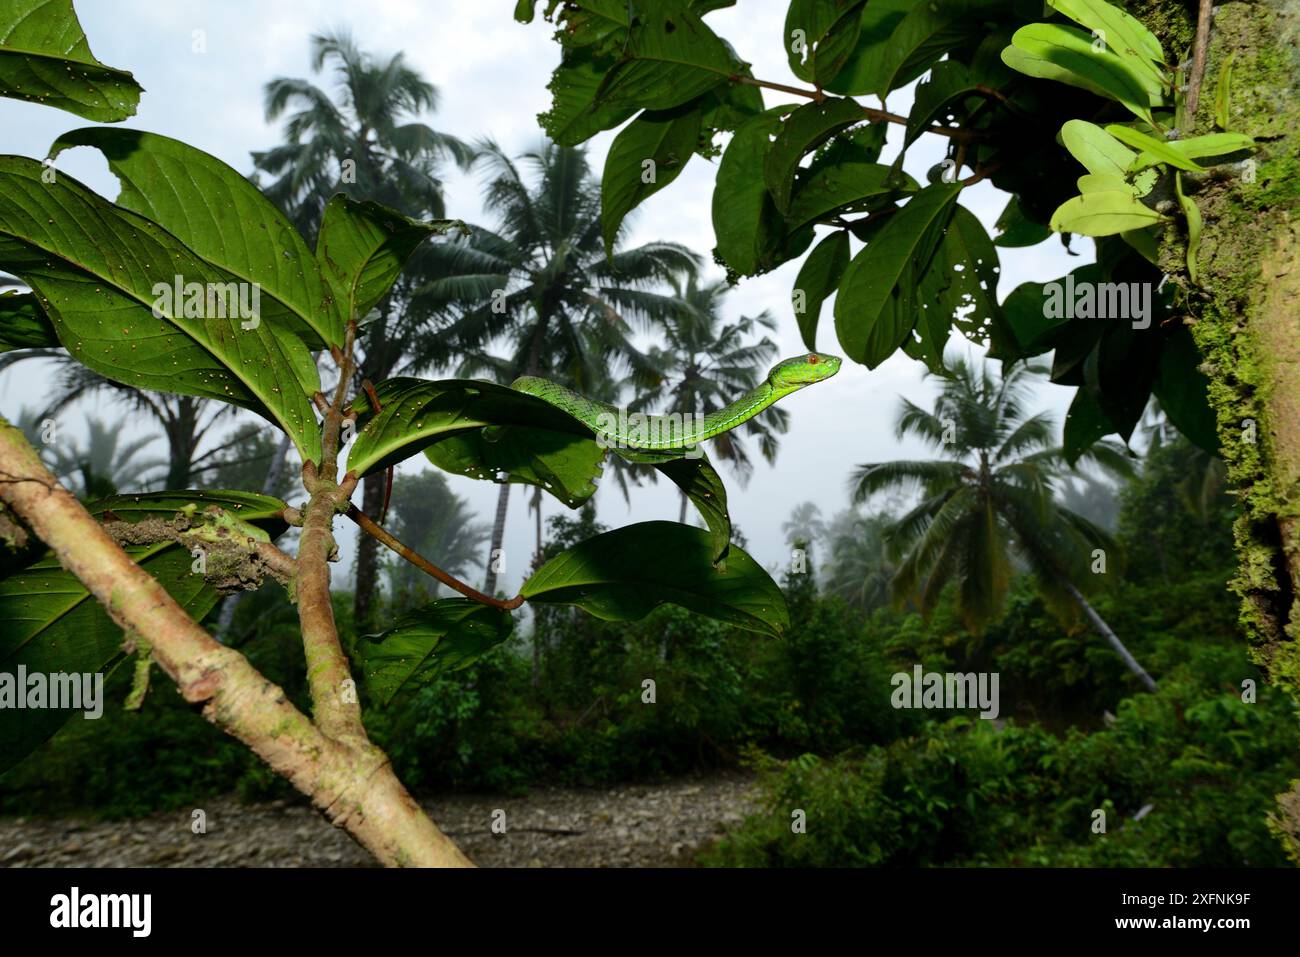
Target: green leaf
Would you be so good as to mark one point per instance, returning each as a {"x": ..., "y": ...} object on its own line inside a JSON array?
[
  {"x": 1193, "y": 214},
  {"x": 1067, "y": 55},
  {"x": 864, "y": 69},
  {"x": 1160, "y": 149},
  {"x": 564, "y": 464},
  {"x": 362, "y": 249},
  {"x": 947, "y": 82},
  {"x": 666, "y": 141},
  {"x": 45, "y": 58},
  {"x": 1126, "y": 36},
  {"x": 839, "y": 188},
  {"x": 818, "y": 278},
  {"x": 928, "y": 31},
  {"x": 1145, "y": 242},
  {"x": 1016, "y": 230},
  {"x": 22, "y": 323},
  {"x": 1183, "y": 390},
  {"x": 1097, "y": 150},
  {"x": 1100, "y": 183},
  {"x": 875, "y": 308},
  {"x": 418, "y": 412},
  {"x": 701, "y": 483},
  {"x": 671, "y": 57},
  {"x": 219, "y": 215},
  {"x": 106, "y": 278},
  {"x": 1085, "y": 423},
  {"x": 54, "y": 625},
  {"x": 803, "y": 131},
  {"x": 829, "y": 30},
  {"x": 625, "y": 574},
  {"x": 1103, "y": 214},
  {"x": 1212, "y": 144},
  {"x": 746, "y": 222},
  {"x": 575, "y": 116},
  {"x": 1026, "y": 315},
  {"x": 429, "y": 641}
]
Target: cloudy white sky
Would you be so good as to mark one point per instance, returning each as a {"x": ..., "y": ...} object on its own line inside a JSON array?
[{"x": 492, "y": 73}]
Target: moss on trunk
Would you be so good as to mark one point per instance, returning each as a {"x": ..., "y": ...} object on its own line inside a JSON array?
[{"x": 1245, "y": 316}]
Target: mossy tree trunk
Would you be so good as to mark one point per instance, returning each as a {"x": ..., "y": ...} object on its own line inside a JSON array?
[{"x": 1245, "y": 315}]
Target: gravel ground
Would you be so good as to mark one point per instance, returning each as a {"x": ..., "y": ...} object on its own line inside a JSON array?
[{"x": 634, "y": 826}]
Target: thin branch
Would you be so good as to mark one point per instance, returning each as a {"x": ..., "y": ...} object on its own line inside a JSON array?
[
  {"x": 387, "y": 539},
  {"x": 869, "y": 112},
  {"x": 1204, "y": 14},
  {"x": 354, "y": 785}
]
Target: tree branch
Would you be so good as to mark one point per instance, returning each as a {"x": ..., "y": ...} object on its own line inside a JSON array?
[
  {"x": 353, "y": 784},
  {"x": 379, "y": 534}
]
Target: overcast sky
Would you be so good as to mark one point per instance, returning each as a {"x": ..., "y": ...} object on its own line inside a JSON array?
[{"x": 492, "y": 73}]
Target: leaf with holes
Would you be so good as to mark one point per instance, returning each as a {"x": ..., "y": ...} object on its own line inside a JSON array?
[{"x": 803, "y": 131}]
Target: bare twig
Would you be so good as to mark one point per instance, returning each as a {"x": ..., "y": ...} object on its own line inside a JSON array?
[{"x": 1204, "y": 14}]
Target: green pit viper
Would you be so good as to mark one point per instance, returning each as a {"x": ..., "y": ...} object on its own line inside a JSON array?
[{"x": 680, "y": 431}]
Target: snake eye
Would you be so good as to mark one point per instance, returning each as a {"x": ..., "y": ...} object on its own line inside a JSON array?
[{"x": 813, "y": 359}]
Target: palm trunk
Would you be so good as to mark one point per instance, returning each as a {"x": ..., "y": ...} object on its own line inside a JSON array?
[
  {"x": 372, "y": 503},
  {"x": 498, "y": 534},
  {"x": 273, "y": 470},
  {"x": 681, "y": 516},
  {"x": 1111, "y": 638}
]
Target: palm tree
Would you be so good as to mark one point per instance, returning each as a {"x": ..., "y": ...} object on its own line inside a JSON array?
[
  {"x": 365, "y": 140},
  {"x": 543, "y": 283},
  {"x": 102, "y": 467},
  {"x": 860, "y": 565},
  {"x": 706, "y": 363},
  {"x": 989, "y": 502},
  {"x": 433, "y": 520}
]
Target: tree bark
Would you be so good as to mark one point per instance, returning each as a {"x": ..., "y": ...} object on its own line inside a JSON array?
[
  {"x": 363, "y": 600},
  {"x": 498, "y": 535},
  {"x": 1245, "y": 316},
  {"x": 1112, "y": 639},
  {"x": 349, "y": 780}
]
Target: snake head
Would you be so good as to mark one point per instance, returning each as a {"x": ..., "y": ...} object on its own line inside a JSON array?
[{"x": 791, "y": 374}]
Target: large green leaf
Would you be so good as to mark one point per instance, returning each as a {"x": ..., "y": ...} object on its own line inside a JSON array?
[
  {"x": 828, "y": 33},
  {"x": 23, "y": 325},
  {"x": 875, "y": 306},
  {"x": 1183, "y": 390},
  {"x": 827, "y": 189},
  {"x": 1162, "y": 151},
  {"x": 663, "y": 140},
  {"x": 1016, "y": 230},
  {"x": 1124, "y": 34},
  {"x": 1029, "y": 320},
  {"x": 575, "y": 116},
  {"x": 671, "y": 57},
  {"x": 627, "y": 573},
  {"x": 105, "y": 278},
  {"x": 819, "y": 276},
  {"x": 1098, "y": 151},
  {"x": 803, "y": 131},
  {"x": 431, "y": 640},
  {"x": 1067, "y": 55},
  {"x": 564, "y": 464},
  {"x": 1103, "y": 213},
  {"x": 362, "y": 249},
  {"x": 701, "y": 483},
  {"x": 928, "y": 31},
  {"x": 54, "y": 625},
  {"x": 745, "y": 219},
  {"x": 45, "y": 58},
  {"x": 418, "y": 412},
  {"x": 220, "y": 216},
  {"x": 866, "y": 68}
]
